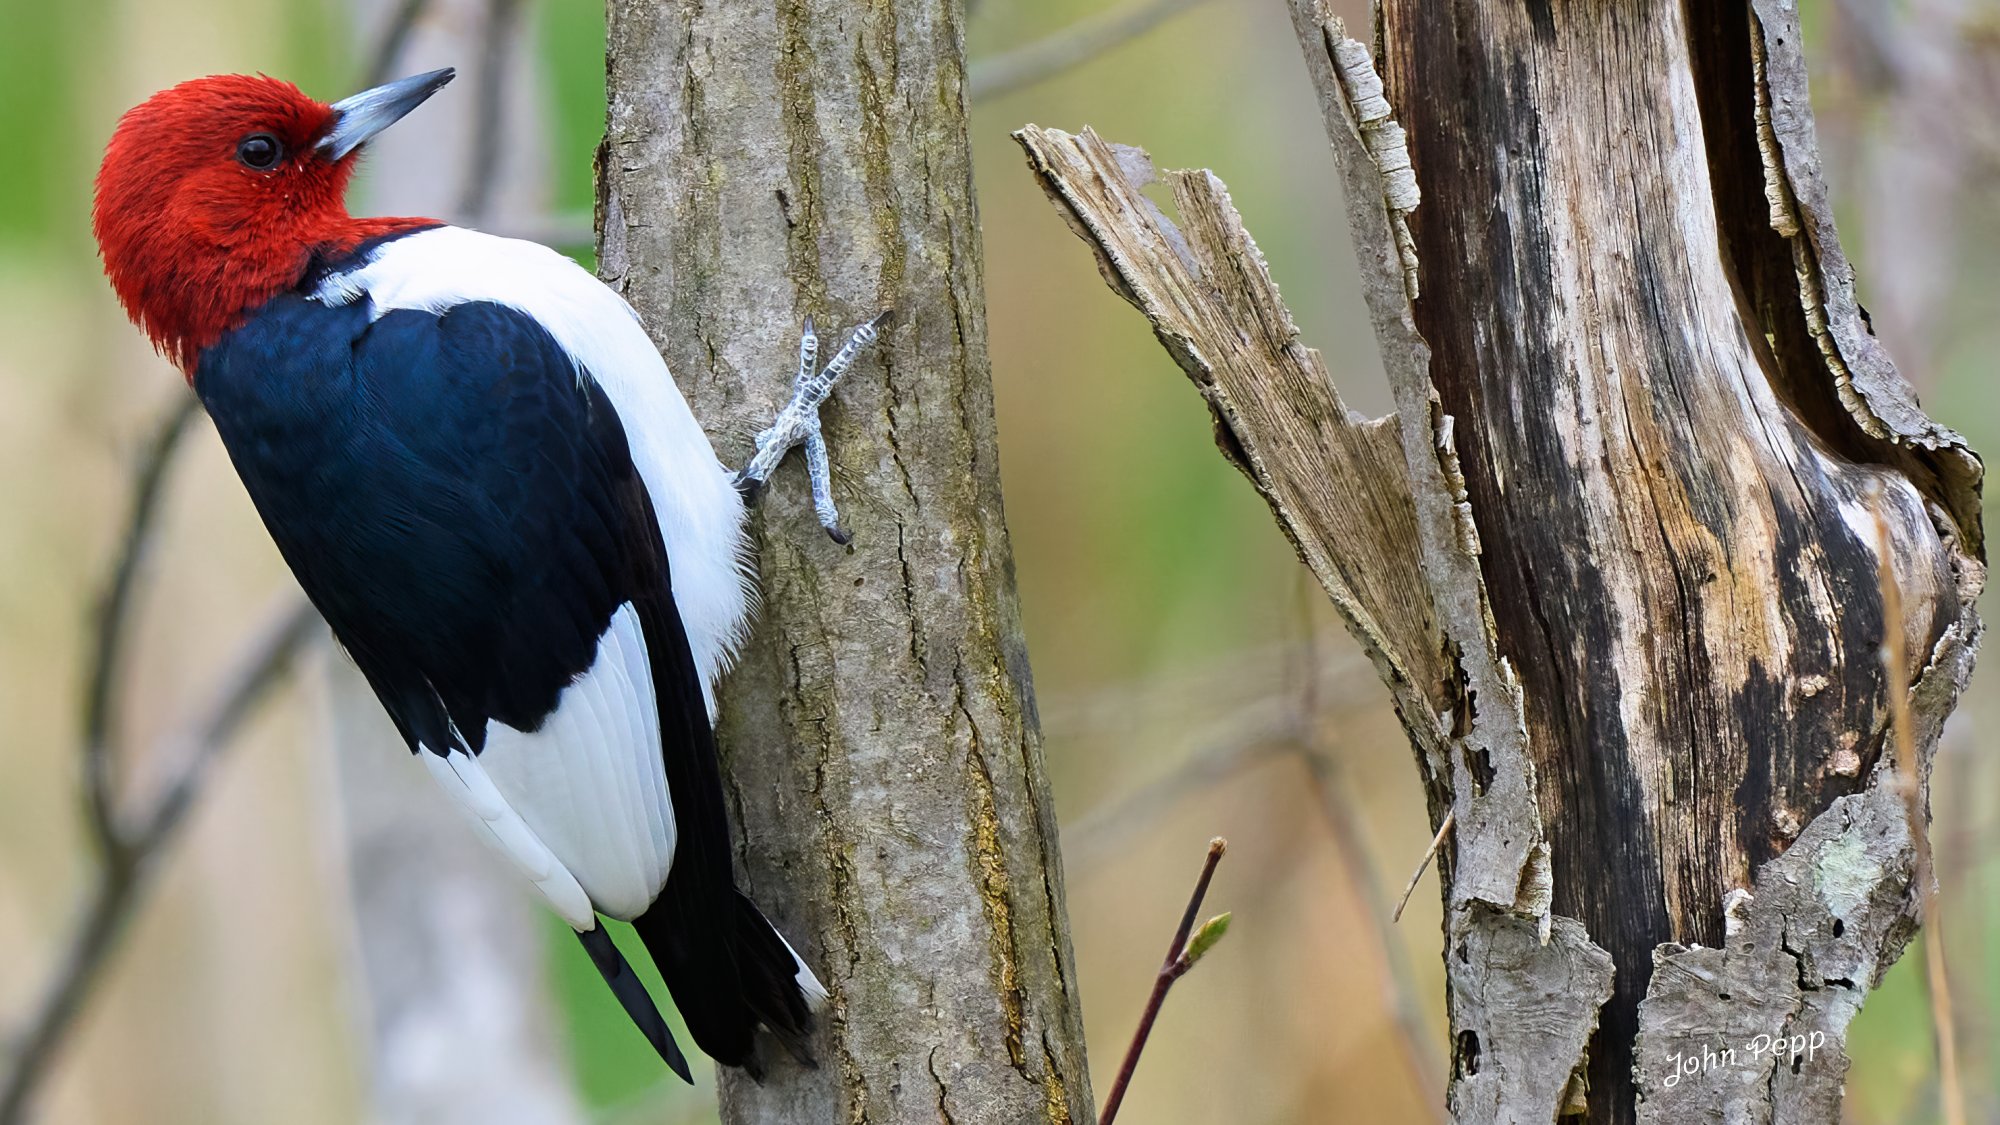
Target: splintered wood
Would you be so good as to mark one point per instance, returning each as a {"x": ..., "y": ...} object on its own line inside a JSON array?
[
  {"x": 1399, "y": 562},
  {"x": 1387, "y": 146},
  {"x": 1336, "y": 482}
]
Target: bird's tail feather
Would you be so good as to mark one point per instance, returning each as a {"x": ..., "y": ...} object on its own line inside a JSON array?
[
  {"x": 776, "y": 983},
  {"x": 727, "y": 975},
  {"x": 632, "y": 995}
]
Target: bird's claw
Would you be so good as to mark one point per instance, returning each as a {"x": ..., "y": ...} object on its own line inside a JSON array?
[{"x": 798, "y": 423}]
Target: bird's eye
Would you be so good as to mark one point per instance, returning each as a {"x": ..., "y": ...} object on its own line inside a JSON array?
[{"x": 259, "y": 151}]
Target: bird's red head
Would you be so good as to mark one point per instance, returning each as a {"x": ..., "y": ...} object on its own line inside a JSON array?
[{"x": 215, "y": 195}]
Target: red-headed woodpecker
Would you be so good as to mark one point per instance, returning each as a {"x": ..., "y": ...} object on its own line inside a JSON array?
[{"x": 485, "y": 479}]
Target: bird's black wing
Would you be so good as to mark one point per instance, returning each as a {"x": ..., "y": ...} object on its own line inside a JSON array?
[{"x": 464, "y": 510}]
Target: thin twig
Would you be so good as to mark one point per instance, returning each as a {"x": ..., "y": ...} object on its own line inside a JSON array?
[
  {"x": 1319, "y": 747},
  {"x": 261, "y": 662},
  {"x": 1878, "y": 45},
  {"x": 1268, "y": 724},
  {"x": 1895, "y": 673},
  {"x": 34, "y": 1049},
  {"x": 129, "y": 856},
  {"x": 1071, "y": 47},
  {"x": 389, "y": 48},
  {"x": 1430, "y": 853},
  {"x": 496, "y": 51},
  {"x": 106, "y": 659},
  {"x": 1399, "y": 984},
  {"x": 1104, "y": 829},
  {"x": 1180, "y": 958},
  {"x": 1247, "y": 677}
]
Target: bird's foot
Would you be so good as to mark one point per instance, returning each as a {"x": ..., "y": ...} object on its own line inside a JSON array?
[{"x": 798, "y": 424}]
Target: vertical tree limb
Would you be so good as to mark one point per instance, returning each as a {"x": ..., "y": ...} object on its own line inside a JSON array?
[
  {"x": 1673, "y": 417},
  {"x": 1643, "y": 423},
  {"x": 881, "y": 746}
]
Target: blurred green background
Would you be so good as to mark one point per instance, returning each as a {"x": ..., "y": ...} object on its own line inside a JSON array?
[{"x": 1168, "y": 620}]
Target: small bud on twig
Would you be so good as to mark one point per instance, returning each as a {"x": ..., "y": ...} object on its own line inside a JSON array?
[{"x": 1181, "y": 956}]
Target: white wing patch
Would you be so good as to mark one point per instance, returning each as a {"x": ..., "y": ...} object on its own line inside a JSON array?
[
  {"x": 809, "y": 985},
  {"x": 580, "y": 806},
  {"x": 592, "y": 783},
  {"x": 462, "y": 777}
]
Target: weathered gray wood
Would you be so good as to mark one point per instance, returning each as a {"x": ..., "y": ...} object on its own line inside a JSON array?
[
  {"x": 1398, "y": 561},
  {"x": 1671, "y": 446},
  {"x": 1646, "y": 433},
  {"x": 883, "y": 759}
]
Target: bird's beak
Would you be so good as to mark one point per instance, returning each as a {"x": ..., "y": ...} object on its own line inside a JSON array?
[{"x": 367, "y": 113}]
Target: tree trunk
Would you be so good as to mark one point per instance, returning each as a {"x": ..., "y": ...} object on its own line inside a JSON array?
[
  {"x": 1616, "y": 555},
  {"x": 881, "y": 751},
  {"x": 1674, "y": 423}
]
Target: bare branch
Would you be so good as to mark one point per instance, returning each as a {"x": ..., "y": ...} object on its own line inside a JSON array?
[
  {"x": 1321, "y": 749},
  {"x": 1261, "y": 737},
  {"x": 260, "y": 664},
  {"x": 1400, "y": 993},
  {"x": 389, "y": 48},
  {"x": 1071, "y": 47},
  {"x": 35, "y": 1046},
  {"x": 106, "y": 659},
  {"x": 496, "y": 51},
  {"x": 1423, "y": 865},
  {"x": 130, "y": 855}
]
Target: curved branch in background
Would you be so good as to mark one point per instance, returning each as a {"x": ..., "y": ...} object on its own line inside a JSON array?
[
  {"x": 1071, "y": 47},
  {"x": 395, "y": 36},
  {"x": 131, "y": 853},
  {"x": 128, "y": 851},
  {"x": 496, "y": 50},
  {"x": 261, "y": 663},
  {"x": 106, "y": 660},
  {"x": 1910, "y": 769}
]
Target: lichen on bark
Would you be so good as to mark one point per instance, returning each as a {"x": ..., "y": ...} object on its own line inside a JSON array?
[{"x": 882, "y": 758}]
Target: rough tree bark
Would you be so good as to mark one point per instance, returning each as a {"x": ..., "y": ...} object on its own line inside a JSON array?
[
  {"x": 1615, "y": 554},
  {"x": 763, "y": 162}
]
